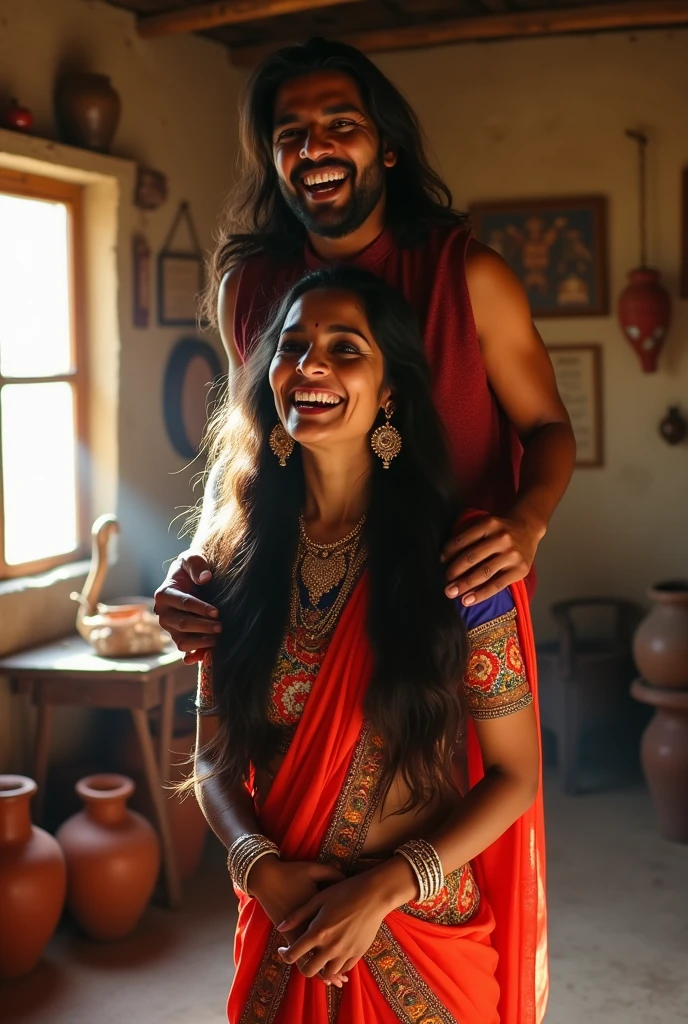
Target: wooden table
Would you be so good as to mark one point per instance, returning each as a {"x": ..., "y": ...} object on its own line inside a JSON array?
[{"x": 69, "y": 672}]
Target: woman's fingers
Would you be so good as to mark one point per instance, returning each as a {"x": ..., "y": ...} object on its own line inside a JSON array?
[
  {"x": 197, "y": 568},
  {"x": 300, "y": 917},
  {"x": 333, "y": 969}
]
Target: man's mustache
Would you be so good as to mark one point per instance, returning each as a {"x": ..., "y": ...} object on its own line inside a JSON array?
[{"x": 310, "y": 167}]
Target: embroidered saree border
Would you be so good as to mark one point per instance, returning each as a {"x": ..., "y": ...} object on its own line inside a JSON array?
[
  {"x": 357, "y": 804},
  {"x": 269, "y": 985},
  {"x": 341, "y": 846},
  {"x": 411, "y": 998}
]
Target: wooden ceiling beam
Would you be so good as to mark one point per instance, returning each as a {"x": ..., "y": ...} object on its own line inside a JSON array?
[
  {"x": 224, "y": 12},
  {"x": 624, "y": 14}
]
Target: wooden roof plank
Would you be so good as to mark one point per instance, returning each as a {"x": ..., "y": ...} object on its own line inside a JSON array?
[
  {"x": 224, "y": 12},
  {"x": 623, "y": 14}
]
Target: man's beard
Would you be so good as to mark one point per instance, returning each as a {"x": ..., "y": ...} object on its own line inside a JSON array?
[{"x": 337, "y": 222}]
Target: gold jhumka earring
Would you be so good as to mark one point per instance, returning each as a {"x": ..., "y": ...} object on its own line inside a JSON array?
[
  {"x": 281, "y": 443},
  {"x": 386, "y": 440}
]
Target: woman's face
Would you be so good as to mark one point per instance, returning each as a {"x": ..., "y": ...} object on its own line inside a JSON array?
[{"x": 327, "y": 374}]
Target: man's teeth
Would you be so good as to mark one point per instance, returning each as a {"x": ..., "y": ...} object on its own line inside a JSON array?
[
  {"x": 322, "y": 177},
  {"x": 314, "y": 397}
]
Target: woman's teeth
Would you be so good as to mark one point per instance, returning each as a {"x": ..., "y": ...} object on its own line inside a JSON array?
[{"x": 315, "y": 398}]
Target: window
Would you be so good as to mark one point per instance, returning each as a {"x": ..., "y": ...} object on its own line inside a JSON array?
[{"x": 43, "y": 511}]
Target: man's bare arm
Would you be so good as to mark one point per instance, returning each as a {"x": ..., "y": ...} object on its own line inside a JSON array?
[{"x": 496, "y": 552}]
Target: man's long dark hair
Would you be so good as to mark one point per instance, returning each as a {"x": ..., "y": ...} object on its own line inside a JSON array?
[
  {"x": 257, "y": 219},
  {"x": 416, "y": 634}
]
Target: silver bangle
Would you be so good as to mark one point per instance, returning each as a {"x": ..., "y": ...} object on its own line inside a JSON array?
[
  {"x": 427, "y": 867},
  {"x": 243, "y": 854}
]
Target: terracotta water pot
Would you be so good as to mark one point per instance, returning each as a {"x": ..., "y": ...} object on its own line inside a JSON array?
[
  {"x": 664, "y": 754},
  {"x": 87, "y": 109},
  {"x": 660, "y": 644},
  {"x": 33, "y": 880},
  {"x": 113, "y": 859}
]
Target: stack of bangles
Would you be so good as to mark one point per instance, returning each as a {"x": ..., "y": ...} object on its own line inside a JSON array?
[
  {"x": 427, "y": 867},
  {"x": 243, "y": 854}
]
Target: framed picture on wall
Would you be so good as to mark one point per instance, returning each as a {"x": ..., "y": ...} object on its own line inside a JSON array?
[
  {"x": 557, "y": 247},
  {"x": 684, "y": 235},
  {"x": 578, "y": 369}
]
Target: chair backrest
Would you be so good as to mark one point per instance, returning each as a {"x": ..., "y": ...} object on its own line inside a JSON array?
[{"x": 625, "y": 616}]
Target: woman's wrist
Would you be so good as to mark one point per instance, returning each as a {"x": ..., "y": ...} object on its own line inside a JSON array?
[
  {"x": 262, "y": 874},
  {"x": 394, "y": 883}
]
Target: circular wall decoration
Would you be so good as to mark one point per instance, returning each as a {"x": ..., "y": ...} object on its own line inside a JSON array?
[{"x": 193, "y": 366}]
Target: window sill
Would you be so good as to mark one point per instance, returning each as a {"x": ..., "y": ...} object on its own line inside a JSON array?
[{"x": 19, "y": 584}]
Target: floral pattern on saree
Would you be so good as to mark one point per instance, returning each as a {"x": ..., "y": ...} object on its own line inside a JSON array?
[
  {"x": 495, "y": 682},
  {"x": 409, "y": 996}
]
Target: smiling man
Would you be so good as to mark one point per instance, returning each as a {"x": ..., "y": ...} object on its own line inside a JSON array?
[{"x": 334, "y": 170}]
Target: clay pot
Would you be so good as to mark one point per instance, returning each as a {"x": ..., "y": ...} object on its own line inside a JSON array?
[
  {"x": 113, "y": 859},
  {"x": 660, "y": 644},
  {"x": 88, "y": 110},
  {"x": 187, "y": 823},
  {"x": 644, "y": 311},
  {"x": 33, "y": 880},
  {"x": 664, "y": 755}
]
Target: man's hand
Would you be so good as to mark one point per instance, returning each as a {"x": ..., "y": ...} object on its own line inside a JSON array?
[
  {"x": 191, "y": 622},
  {"x": 489, "y": 555}
]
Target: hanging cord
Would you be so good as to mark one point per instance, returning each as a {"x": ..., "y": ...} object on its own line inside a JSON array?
[{"x": 641, "y": 139}]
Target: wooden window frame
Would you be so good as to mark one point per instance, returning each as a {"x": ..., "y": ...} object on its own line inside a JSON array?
[{"x": 33, "y": 186}]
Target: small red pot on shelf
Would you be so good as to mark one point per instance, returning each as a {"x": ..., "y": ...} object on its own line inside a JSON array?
[{"x": 16, "y": 117}]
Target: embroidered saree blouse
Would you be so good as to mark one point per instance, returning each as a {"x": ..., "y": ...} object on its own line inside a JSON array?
[{"x": 494, "y": 682}]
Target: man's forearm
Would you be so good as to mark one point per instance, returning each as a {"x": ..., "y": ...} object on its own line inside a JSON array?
[{"x": 548, "y": 458}]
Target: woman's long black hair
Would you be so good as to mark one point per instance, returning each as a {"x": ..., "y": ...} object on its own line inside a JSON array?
[
  {"x": 416, "y": 634},
  {"x": 257, "y": 219}
]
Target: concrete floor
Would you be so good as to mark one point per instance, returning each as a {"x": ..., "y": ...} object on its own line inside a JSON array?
[{"x": 618, "y": 936}]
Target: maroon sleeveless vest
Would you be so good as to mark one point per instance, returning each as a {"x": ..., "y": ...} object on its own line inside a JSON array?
[{"x": 484, "y": 447}]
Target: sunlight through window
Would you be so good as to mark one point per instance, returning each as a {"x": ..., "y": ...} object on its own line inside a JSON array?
[{"x": 38, "y": 376}]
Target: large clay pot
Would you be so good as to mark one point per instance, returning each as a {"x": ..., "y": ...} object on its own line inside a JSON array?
[
  {"x": 113, "y": 858},
  {"x": 664, "y": 754},
  {"x": 33, "y": 880},
  {"x": 87, "y": 109},
  {"x": 660, "y": 644}
]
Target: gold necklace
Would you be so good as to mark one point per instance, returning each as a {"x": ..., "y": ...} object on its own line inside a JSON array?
[
  {"x": 324, "y": 566},
  {"x": 313, "y": 566}
]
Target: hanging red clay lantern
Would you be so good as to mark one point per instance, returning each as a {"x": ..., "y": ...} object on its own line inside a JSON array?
[{"x": 644, "y": 307}]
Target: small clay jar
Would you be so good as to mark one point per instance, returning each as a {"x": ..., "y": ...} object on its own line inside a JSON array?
[
  {"x": 113, "y": 859},
  {"x": 33, "y": 880},
  {"x": 660, "y": 644},
  {"x": 87, "y": 109}
]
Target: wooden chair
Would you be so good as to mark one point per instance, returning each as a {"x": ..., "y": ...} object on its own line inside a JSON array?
[{"x": 584, "y": 694}]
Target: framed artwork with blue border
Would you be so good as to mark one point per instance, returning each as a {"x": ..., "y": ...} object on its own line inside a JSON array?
[{"x": 556, "y": 247}]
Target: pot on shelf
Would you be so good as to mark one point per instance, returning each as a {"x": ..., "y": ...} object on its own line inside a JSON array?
[
  {"x": 88, "y": 110},
  {"x": 32, "y": 880},
  {"x": 113, "y": 859}
]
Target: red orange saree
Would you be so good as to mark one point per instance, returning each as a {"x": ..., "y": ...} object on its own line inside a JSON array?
[{"x": 488, "y": 968}]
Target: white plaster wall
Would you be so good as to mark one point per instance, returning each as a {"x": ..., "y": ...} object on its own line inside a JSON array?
[{"x": 545, "y": 118}]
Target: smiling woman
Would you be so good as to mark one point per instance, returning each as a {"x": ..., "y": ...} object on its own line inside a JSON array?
[{"x": 334, "y": 728}]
